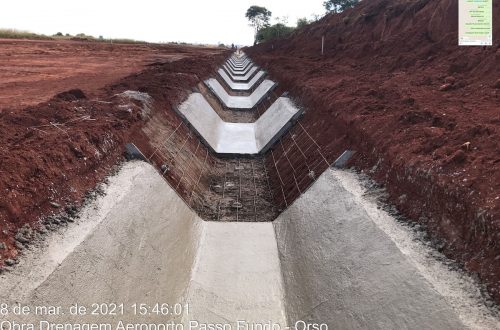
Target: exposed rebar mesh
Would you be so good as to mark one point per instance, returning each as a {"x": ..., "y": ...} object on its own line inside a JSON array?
[{"x": 218, "y": 189}]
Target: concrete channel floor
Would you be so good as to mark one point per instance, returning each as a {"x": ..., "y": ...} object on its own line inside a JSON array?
[{"x": 326, "y": 261}]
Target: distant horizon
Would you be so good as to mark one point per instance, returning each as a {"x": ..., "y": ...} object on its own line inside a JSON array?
[
  {"x": 222, "y": 21},
  {"x": 54, "y": 36}
]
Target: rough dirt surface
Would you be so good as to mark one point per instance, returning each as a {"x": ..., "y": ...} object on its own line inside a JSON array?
[
  {"x": 422, "y": 112},
  {"x": 32, "y": 71},
  {"x": 55, "y": 151}
]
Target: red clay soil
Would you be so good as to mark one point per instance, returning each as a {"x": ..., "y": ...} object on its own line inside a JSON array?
[
  {"x": 32, "y": 71},
  {"x": 56, "y": 151},
  {"x": 422, "y": 112}
]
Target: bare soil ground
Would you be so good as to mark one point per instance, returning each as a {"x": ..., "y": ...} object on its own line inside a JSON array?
[
  {"x": 32, "y": 71},
  {"x": 422, "y": 112}
]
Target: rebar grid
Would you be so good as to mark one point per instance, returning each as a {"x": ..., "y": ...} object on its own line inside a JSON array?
[
  {"x": 216, "y": 188},
  {"x": 244, "y": 193},
  {"x": 295, "y": 163}
]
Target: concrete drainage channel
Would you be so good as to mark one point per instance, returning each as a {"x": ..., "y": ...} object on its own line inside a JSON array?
[
  {"x": 231, "y": 122},
  {"x": 330, "y": 259}
]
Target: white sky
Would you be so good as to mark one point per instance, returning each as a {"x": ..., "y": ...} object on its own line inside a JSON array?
[{"x": 193, "y": 21}]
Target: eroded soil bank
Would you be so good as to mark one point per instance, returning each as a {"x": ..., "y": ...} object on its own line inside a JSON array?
[{"x": 422, "y": 113}]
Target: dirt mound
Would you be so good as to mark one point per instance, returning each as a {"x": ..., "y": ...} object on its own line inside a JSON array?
[{"x": 422, "y": 112}]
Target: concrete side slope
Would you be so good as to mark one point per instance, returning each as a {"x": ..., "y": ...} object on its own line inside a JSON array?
[
  {"x": 341, "y": 269},
  {"x": 150, "y": 247}
]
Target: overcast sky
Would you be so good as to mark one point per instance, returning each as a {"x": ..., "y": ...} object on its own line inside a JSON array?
[{"x": 193, "y": 21}]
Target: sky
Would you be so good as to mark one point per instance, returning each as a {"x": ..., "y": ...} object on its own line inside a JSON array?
[{"x": 191, "y": 21}]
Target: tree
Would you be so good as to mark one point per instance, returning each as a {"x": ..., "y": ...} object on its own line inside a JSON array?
[
  {"x": 273, "y": 32},
  {"x": 259, "y": 17},
  {"x": 338, "y": 6},
  {"x": 301, "y": 22}
]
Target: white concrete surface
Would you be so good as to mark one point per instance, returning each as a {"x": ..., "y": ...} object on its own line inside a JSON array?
[
  {"x": 237, "y": 275},
  {"x": 239, "y": 67},
  {"x": 239, "y": 62},
  {"x": 150, "y": 248},
  {"x": 238, "y": 138},
  {"x": 240, "y": 102},
  {"x": 237, "y": 72},
  {"x": 241, "y": 78},
  {"x": 241, "y": 87},
  {"x": 238, "y": 58},
  {"x": 331, "y": 258},
  {"x": 342, "y": 268}
]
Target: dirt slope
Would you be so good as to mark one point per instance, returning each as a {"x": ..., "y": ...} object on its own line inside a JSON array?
[{"x": 422, "y": 112}]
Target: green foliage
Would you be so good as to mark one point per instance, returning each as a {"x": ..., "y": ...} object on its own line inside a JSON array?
[
  {"x": 276, "y": 31},
  {"x": 259, "y": 18},
  {"x": 18, "y": 34},
  {"x": 301, "y": 22},
  {"x": 338, "y": 6}
]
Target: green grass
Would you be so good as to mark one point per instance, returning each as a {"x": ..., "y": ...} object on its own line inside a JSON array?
[{"x": 19, "y": 34}]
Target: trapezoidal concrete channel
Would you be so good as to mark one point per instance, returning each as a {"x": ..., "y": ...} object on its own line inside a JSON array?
[{"x": 230, "y": 236}]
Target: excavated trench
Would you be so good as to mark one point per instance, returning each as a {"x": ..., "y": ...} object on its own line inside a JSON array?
[
  {"x": 286, "y": 241},
  {"x": 232, "y": 186}
]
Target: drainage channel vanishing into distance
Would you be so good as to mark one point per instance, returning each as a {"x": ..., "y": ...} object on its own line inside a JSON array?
[{"x": 220, "y": 157}]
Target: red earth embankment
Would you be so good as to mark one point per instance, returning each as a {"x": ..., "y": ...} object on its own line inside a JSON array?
[
  {"x": 55, "y": 151},
  {"x": 422, "y": 112}
]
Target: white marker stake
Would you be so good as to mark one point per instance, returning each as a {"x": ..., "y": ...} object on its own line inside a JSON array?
[{"x": 322, "y": 44}]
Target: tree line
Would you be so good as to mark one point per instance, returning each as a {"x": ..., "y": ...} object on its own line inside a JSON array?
[{"x": 260, "y": 18}]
